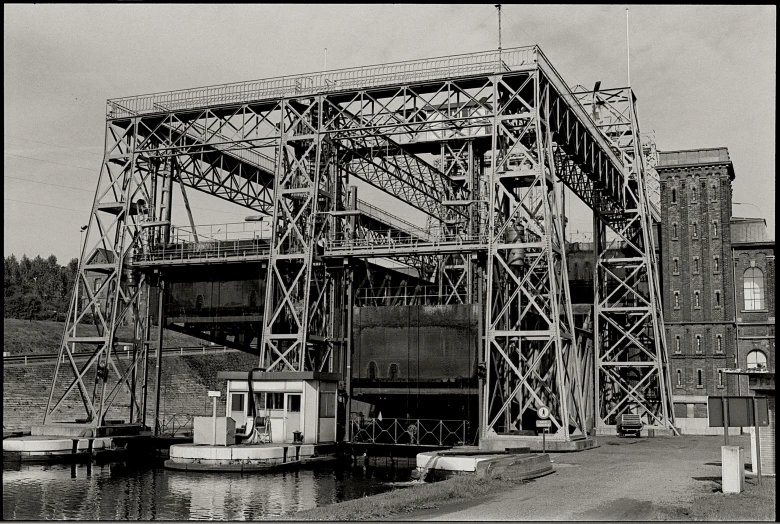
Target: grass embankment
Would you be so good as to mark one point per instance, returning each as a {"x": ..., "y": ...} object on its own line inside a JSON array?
[
  {"x": 25, "y": 337},
  {"x": 756, "y": 503},
  {"x": 402, "y": 501}
]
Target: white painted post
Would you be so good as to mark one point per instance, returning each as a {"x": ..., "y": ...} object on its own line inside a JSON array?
[
  {"x": 732, "y": 469},
  {"x": 214, "y": 420},
  {"x": 214, "y": 396}
]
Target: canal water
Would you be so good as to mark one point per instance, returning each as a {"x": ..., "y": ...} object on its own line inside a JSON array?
[{"x": 127, "y": 491}]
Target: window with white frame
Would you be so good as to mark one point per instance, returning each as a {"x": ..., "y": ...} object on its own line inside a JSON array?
[
  {"x": 753, "y": 287},
  {"x": 756, "y": 359},
  {"x": 698, "y": 344}
]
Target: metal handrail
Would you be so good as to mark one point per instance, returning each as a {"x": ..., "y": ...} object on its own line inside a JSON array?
[{"x": 324, "y": 81}]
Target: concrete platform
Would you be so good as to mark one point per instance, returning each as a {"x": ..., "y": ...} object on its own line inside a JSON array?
[
  {"x": 52, "y": 448},
  {"x": 502, "y": 443},
  {"x": 203, "y": 457},
  {"x": 482, "y": 464}
]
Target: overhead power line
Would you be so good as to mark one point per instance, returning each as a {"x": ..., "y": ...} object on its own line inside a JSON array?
[
  {"x": 43, "y": 205},
  {"x": 51, "y": 162},
  {"x": 74, "y": 149},
  {"x": 48, "y": 183}
]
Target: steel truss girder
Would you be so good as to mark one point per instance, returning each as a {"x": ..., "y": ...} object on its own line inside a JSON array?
[
  {"x": 530, "y": 348},
  {"x": 632, "y": 368}
]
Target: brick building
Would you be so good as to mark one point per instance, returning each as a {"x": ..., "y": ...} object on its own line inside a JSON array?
[{"x": 716, "y": 271}]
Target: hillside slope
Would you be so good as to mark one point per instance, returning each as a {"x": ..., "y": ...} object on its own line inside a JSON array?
[{"x": 34, "y": 337}]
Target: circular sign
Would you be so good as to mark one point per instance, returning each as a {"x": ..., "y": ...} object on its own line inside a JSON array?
[{"x": 543, "y": 412}]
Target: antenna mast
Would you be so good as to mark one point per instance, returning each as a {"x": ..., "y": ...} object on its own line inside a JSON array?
[
  {"x": 498, "y": 6},
  {"x": 628, "y": 52}
]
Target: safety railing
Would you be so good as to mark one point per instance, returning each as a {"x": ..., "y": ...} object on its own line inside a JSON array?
[
  {"x": 411, "y": 295},
  {"x": 325, "y": 81},
  {"x": 392, "y": 239},
  {"x": 415, "y": 432},
  {"x": 214, "y": 242},
  {"x": 176, "y": 424},
  {"x": 204, "y": 251},
  {"x": 47, "y": 358}
]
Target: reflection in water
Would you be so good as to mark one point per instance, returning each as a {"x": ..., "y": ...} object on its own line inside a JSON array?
[{"x": 123, "y": 491}]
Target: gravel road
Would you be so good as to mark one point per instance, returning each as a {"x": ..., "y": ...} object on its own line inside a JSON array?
[{"x": 623, "y": 479}]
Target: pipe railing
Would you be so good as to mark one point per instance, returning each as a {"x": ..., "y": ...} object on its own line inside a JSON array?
[{"x": 325, "y": 81}]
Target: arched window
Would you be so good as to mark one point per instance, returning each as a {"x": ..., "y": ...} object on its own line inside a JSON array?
[
  {"x": 716, "y": 265},
  {"x": 753, "y": 285},
  {"x": 698, "y": 344},
  {"x": 696, "y": 299},
  {"x": 674, "y": 196},
  {"x": 699, "y": 382},
  {"x": 674, "y": 230},
  {"x": 695, "y": 230},
  {"x": 676, "y": 266},
  {"x": 756, "y": 359},
  {"x": 719, "y": 347},
  {"x": 677, "y": 344},
  {"x": 679, "y": 378},
  {"x": 677, "y": 299},
  {"x": 714, "y": 229},
  {"x": 372, "y": 370},
  {"x": 199, "y": 301},
  {"x": 693, "y": 192},
  {"x": 393, "y": 371},
  {"x": 695, "y": 264},
  {"x": 717, "y": 299}
]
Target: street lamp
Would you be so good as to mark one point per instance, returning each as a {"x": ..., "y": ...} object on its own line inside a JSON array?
[{"x": 81, "y": 239}]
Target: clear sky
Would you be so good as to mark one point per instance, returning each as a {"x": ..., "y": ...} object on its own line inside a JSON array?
[{"x": 704, "y": 77}]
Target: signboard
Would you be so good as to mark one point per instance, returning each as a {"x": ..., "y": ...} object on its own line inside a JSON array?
[
  {"x": 543, "y": 423},
  {"x": 741, "y": 411},
  {"x": 215, "y": 393},
  {"x": 543, "y": 412}
]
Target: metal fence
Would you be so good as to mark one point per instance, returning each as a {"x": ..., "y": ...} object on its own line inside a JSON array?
[
  {"x": 176, "y": 424},
  {"x": 423, "y": 432}
]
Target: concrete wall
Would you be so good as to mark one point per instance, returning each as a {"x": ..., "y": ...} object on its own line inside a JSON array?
[{"x": 185, "y": 383}]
